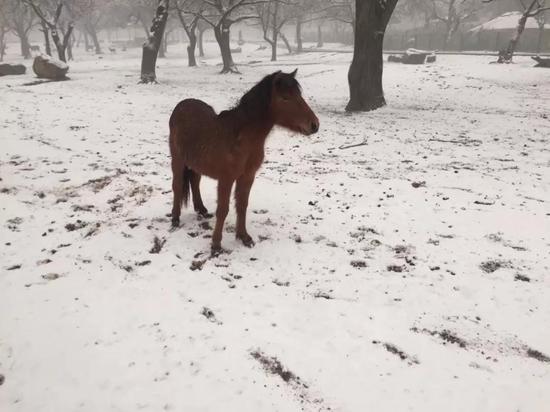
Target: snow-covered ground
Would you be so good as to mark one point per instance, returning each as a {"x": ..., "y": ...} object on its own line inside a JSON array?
[{"x": 410, "y": 273}]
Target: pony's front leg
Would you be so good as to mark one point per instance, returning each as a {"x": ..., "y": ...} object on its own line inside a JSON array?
[
  {"x": 224, "y": 195},
  {"x": 242, "y": 192}
]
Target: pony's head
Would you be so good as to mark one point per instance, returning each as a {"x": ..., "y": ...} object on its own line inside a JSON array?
[
  {"x": 277, "y": 99},
  {"x": 288, "y": 108}
]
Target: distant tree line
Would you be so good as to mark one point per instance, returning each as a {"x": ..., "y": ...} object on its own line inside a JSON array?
[{"x": 367, "y": 20}]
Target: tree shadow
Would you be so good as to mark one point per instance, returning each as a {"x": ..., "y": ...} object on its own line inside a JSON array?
[{"x": 36, "y": 82}]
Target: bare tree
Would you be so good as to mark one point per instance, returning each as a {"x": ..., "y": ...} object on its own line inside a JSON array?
[
  {"x": 92, "y": 20},
  {"x": 188, "y": 12},
  {"x": 201, "y": 27},
  {"x": 4, "y": 29},
  {"x": 422, "y": 9},
  {"x": 51, "y": 21},
  {"x": 273, "y": 16},
  {"x": 365, "y": 73},
  {"x": 342, "y": 11},
  {"x": 152, "y": 44},
  {"x": 20, "y": 20},
  {"x": 452, "y": 13},
  {"x": 306, "y": 11},
  {"x": 221, "y": 15},
  {"x": 530, "y": 9},
  {"x": 142, "y": 12},
  {"x": 542, "y": 19}
]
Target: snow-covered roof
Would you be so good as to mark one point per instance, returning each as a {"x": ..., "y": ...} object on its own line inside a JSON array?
[{"x": 508, "y": 21}]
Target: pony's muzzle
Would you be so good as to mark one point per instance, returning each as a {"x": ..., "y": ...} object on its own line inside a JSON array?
[{"x": 314, "y": 127}]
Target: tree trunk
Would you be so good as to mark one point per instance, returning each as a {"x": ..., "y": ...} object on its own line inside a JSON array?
[
  {"x": 274, "y": 43},
  {"x": 2, "y": 44},
  {"x": 201, "y": 48},
  {"x": 299, "y": 45},
  {"x": 70, "y": 46},
  {"x": 365, "y": 73},
  {"x": 191, "y": 48},
  {"x": 275, "y": 32},
  {"x": 46, "y": 39},
  {"x": 539, "y": 41},
  {"x": 152, "y": 45},
  {"x": 447, "y": 35},
  {"x": 25, "y": 46},
  {"x": 287, "y": 43},
  {"x": 93, "y": 34},
  {"x": 59, "y": 46},
  {"x": 515, "y": 40},
  {"x": 222, "y": 37},
  {"x": 319, "y": 36},
  {"x": 162, "y": 49},
  {"x": 519, "y": 30},
  {"x": 86, "y": 41}
]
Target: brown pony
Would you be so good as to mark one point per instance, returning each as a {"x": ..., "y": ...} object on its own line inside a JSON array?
[{"x": 229, "y": 146}]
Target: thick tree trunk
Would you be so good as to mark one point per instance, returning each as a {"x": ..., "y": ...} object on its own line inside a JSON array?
[
  {"x": 152, "y": 45},
  {"x": 365, "y": 73},
  {"x": 299, "y": 45},
  {"x": 191, "y": 49},
  {"x": 222, "y": 37}
]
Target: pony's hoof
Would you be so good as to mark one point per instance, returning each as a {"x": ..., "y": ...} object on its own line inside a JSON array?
[
  {"x": 175, "y": 222},
  {"x": 204, "y": 214},
  {"x": 216, "y": 250},
  {"x": 247, "y": 240}
]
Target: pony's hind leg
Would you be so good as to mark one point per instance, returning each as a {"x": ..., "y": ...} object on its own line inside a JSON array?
[
  {"x": 197, "y": 199},
  {"x": 177, "y": 189}
]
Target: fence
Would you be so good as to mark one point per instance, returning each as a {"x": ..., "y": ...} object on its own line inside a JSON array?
[{"x": 532, "y": 40}]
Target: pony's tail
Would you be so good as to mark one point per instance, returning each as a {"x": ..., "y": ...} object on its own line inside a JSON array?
[{"x": 187, "y": 174}]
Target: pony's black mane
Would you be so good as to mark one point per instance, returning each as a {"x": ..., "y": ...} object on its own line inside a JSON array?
[{"x": 255, "y": 103}]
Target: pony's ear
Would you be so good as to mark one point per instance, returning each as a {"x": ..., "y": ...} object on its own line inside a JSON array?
[
  {"x": 293, "y": 74},
  {"x": 278, "y": 78}
]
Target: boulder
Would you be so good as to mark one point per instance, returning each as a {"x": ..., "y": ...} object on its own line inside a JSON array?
[
  {"x": 49, "y": 68},
  {"x": 414, "y": 56},
  {"x": 541, "y": 62},
  {"x": 7, "y": 69}
]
